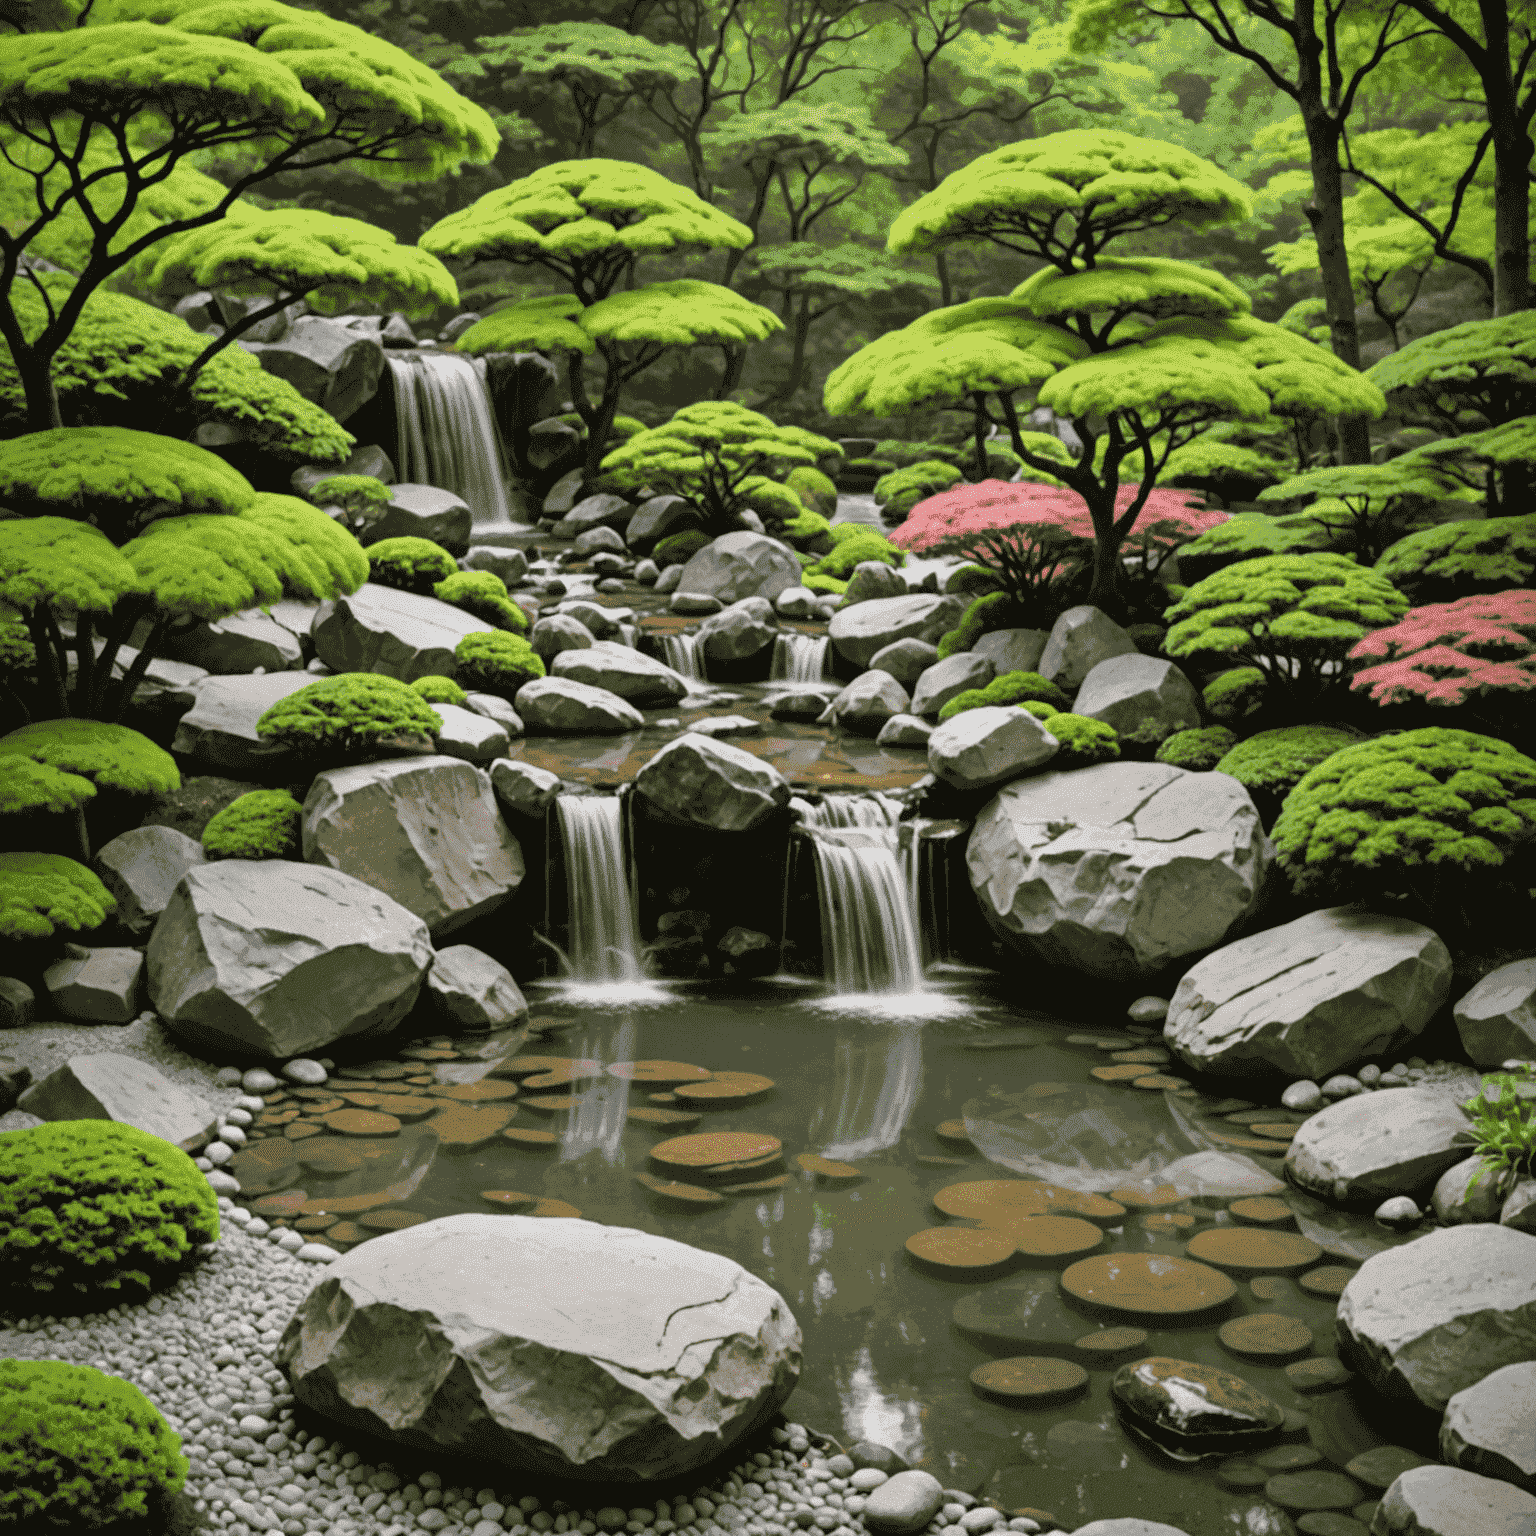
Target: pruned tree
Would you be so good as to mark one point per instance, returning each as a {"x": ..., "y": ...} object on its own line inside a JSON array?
[
  {"x": 1438, "y": 565},
  {"x": 1479, "y": 374},
  {"x": 1498, "y": 465}
]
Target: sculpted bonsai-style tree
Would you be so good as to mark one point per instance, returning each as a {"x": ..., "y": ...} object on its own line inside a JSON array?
[
  {"x": 1455, "y": 560},
  {"x": 1139, "y": 354},
  {"x": 41, "y": 893},
  {"x": 1475, "y": 375},
  {"x": 154, "y": 84},
  {"x": 1499, "y": 465}
]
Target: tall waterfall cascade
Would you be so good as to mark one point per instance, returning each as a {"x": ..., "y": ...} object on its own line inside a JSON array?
[
  {"x": 799, "y": 658},
  {"x": 446, "y": 433},
  {"x": 604, "y": 944}
]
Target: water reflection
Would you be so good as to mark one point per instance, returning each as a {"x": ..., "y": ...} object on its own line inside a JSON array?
[{"x": 875, "y": 1085}]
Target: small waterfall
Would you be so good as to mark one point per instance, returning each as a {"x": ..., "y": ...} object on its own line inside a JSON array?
[
  {"x": 684, "y": 654},
  {"x": 446, "y": 433},
  {"x": 868, "y": 931},
  {"x": 604, "y": 940},
  {"x": 799, "y": 658},
  {"x": 917, "y": 871},
  {"x": 875, "y": 810}
]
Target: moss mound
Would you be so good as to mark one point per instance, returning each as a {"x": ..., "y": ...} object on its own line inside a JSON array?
[
  {"x": 352, "y": 715},
  {"x": 483, "y": 594},
  {"x": 679, "y": 548},
  {"x": 265, "y": 824},
  {"x": 992, "y": 610},
  {"x": 409, "y": 565},
  {"x": 1198, "y": 750},
  {"x": 438, "y": 690},
  {"x": 1083, "y": 741},
  {"x": 1010, "y": 688},
  {"x": 41, "y": 893},
  {"x": 497, "y": 663}
]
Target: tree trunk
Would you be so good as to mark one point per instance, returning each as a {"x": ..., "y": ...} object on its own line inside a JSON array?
[
  {"x": 1104, "y": 590},
  {"x": 42, "y": 400}
]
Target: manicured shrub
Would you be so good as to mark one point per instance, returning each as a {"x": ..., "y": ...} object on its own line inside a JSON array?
[
  {"x": 1272, "y": 763},
  {"x": 1083, "y": 741},
  {"x": 852, "y": 545},
  {"x": 41, "y": 893},
  {"x": 1199, "y": 750},
  {"x": 1441, "y": 819},
  {"x": 484, "y": 595},
  {"x": 409, "y": 565},
  {"x": 497, "y": 663},
  {"x": 809, "y": 531},
  {"x": 357, "y": 495},
  {"x": 992, "y": 610},
  {"x": 352, "y": 716},
  {"x": 95, "y": 1208},
  {"x": 972, "y": 581},
  {"x": 1438, "y": 565},
  {"x": 265, "y": 824},
  {"x": 1010, "y": 688},
  {"x": 904, "y": 455},
  {"x": 81, "y": 1450},
  {"x": 680, "y": 548},
  {"x": 1234, "y": 696},
  {"x": 1248, "y": 536},
  {"x": 901, "y": 490},
  {"x": 816, "y": 490},
  {"x": 439, "y": 690}
]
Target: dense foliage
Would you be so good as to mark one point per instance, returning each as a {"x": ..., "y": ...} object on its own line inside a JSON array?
[
  {"x": 1455, "y": 560},
  {"x": 484, "y": 595},
  {"x": 41, "y": 893},
  {"x": 496, "y": 663},
  {"x": 1199, "y": 749},
  {"x": 1271, "y": 764},
  {"x": 352, "y": 716},
  {"x": 264, "y": 824},
  {"x": 1009, "y": 688},
  {"x": 410, "y": 564}
]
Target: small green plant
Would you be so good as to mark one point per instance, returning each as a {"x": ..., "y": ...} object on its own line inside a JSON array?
[
  {"x": 852, "y": 545},
  {"x": 439, "y": 690},
  {"x": 972, "y": 581},
  {"x": 356, "y": 495},
  {"x": 1200, "y": 749},
  {"x": 1503, "y": 1130},
  {"x": 497, "y": 663},
  {"x": 409, "y": 565},
  {"x": 815, "y": 490},
  {"x": 352, "y": 717},
  {"x": 1010, "y": 688},
  {"x": 1234, "y": 696},
  {"x": 483, "y": 594},
  {"x": 679, "y": 548},
  {"x": 992, "y": 610},
  {"x": 809, "y": 532},
  {"x": 265, "y": 824},
  {"x": 1083, "y": 741}
]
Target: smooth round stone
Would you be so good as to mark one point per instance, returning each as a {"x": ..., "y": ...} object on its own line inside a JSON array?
[
  {"x": 1329, "y": 1523},
  {"x": 999, "y": 1200},
  {"x": 1110, "y": 1343},
  {"x": 1249, "y": 1250},
  {"x": 525, "y": 1136},
  {"x": 1399, "y": 1213},
  {"x": 1123, "y": 1072},
  {"x": 259, "y": 1080},
  {"x": 1148, "y": 1010},
  {"x": 687, "y": 1194},
  {"x": 1303, "y": 1095},
  {"x": 361, "y": 1122},
  {"x": 903, "y": 1504},
  {"x": 724, "y": 1090},
  {"x": 509, "y": 1199},
  {"x": 1328, "y": 1281},
  {"x": 1148, "y": 1199},
  {"x": 1262, "y": 1211},
  {"x": 1147, "y": 1284},
  {"x": 1265, "y": 1336},
  {"x": 315, "y": 1223},
  {"x": 1030, "y": 1380},
  {"x": 1321, "y": 1374},
  {"x": 347, "y": 1232},
  {"x": 1192, "y": 1407},
  {"x": 960, "y": 1247},
  {"x": 1382, "y": 1465},
  {"x": 1300, "y": 1492},
  {"x": 391, "y": 1221},
  {"x": 670, "y": 1073},
  {"x": 303, "y": 1070},
  {"x": 1289, "y": 1458},
  {"x": 717, "y": 1152},
  {"x": 826, "y": 1168},
  {"x": 1052, "y": 1238}
]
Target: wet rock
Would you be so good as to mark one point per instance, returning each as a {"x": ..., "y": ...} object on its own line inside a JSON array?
[
  {"x": 96, "y": 986},
  {"x": 425, "y": 831},
  {"x": 1446, "y": 1501},
  {"x": 1302, "y": 1096},
  {"x": 693, "y": 604},
  {"x": 1436, "y": 1315},
  {"x": 600, "y": 510},
  {"x": 219, "y": 731},
  {"x": 400, "y": 634},
  {"x": 468, "y": 990},
  {"x": 595, "y": 540},
  {"x": 497, "y": 710},
  {"x": 424, "y": 512},
  {"x": 1399, "y": 1213},
  {"x": 604, "y": 623},
  {"x": 1497, "y": 1018},
  {"x": 1467, "y": 1191},
  {"x": 510, "y": 564},
  {"x": 745, "y": 952},
  {"x": 742, "y": 630},
  {"x": 1194, "y": 1410},
  {"x": 110, "y": 1086},
  {"x": 13, "y": 1081},
  {"x": 632, "y": 675},
  {"x": 1117, "y": 870},
  {"x": 655, "y": 519},
  {"x": 797, "y": 603},
  {"x": 1013, "y": 650},
  {"x": 241, "y": 642},
  {"x": 871, "y": 1454},
  {"x": 906, "y": 660},
  {"x": 980, "y": 748},
  {"x": 903, "y": 1503},
  {"x": 1148, "y": 1010},
  {"x": 678, "y": 1351},
  {"x": 738, "y": 565},
  {"x": 1311, "y": 996},
  {"x": 470, "y": 736},
  {"x": 1341, "y": 1086},
  {"x": 1079, "y": 640},
  {"x": 523, "y": 788},
  {"x": 1487, "y": 1427},
  {"x": 803, "y": 701},
  {"x": 944, "y": 679},
  {"x": 712, "y": 784},
  {"x": 1144, "y": 698},
  {"x": 561, "y": 706},
  {"x": 304, "y": 1071},
  {"x": 1518, "y": 1210},
  {"x": 17, "y": 1003},
  {"x": 867, "y": 703},
  {"x": 1131, "y": 1526},
  {"x": 873, "y": 579},
  {"x": 559, "y": 632},
  {"x": 859, "y": 632},
  {"x": 141, "y": 868},
  {"x": 1397, "y": 1141},
  {"x": 904, "y": 731},
  {"x": 330, "y": 364}
]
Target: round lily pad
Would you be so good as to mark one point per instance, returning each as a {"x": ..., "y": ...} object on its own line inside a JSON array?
[
  {"x": 826, "y": 1168},
  {"x": 1322, "y": 1373},
  {"x": 1123, "y": 1072},
  {"x": 1147, "y": 1285},
  {"x": 1328, "y": 1281},
  {"x": 1111, "y": 1343},
  {"x": 526, "y": 1136},
  {"x": 659, "y": 1072},
  {"x": 1052, "y": 1239},
  {"x": 1030, "y": 1380},
  {"x": 719, "y": 1153},
  {"x": 1167, "y": 1221},
  {"x": 315, "y": 1223},
  {"x": 674, "y": 1119},
  {"x": 1266, "y": 1336},
  {"x": 725, "y": 1090},
  {"x": 554, "y": 1208},
  {"x": 687, "y": 1194},
  {"x": 952, "y": 1130},
  {"x": 960, "y": 1248},
  {"x": 577, "y": 1072},
  {"x": 550, "y": 1103},
  {"x": 1148, "y": 1199},
  {"x": 485, "y": 1091},
  {"x": 361, "y": 1122},
  {"x": 462, "y": 1128},
  {"x": 568, "y": 1069},
  {"x": 509, "y": 1199},
  {"x": 1000, "y": 1200},
  {"x": 1262, "y": 1211},
  {"x": 1253, "y": 1250},
  {"x": 301, "y": 1130}
]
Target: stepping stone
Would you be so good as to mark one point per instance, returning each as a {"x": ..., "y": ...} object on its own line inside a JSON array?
[
  {"x": 521, "y": 1136},
  {"x": 551, "y": 1103},
  {"x": 1262, "y": 1211},
  {"x": 567, "y": 1070},
  {"x": 1250, "y": 1116},
  {"x": 725, "y": 1090},
  {"x": 460, "y": 1128},
  {"x": 999, "y": 1200},
  {"x": 407, "y": 1106},
  {"x": 1052, "y": 1238},
  {"x": 1266, "y": 1336},
  {"x": 554, "y": 1208},
  {"x": 1159, "y": 1083},
  {"x": 670, "y": 1189},
  {"x": 676, "y": 1119},
  {"x": 1241, "y": 1476},
  {"x": 718, "y": 1153},
  {"x": 960, "y": 1248},
  {"x": 1150, "y": 1055},
  {"x": 483, "y": 1092},
  {"x": 1111, "y": 1343},
  {"x": 315, "y": 1223},
  {"x": 1190, "y": 1409},
  {"x": 346, "y": 1232},
  {"x": 330, "y": 1156},
  {"x": 301, "y": 1130},
  {"x": 1030, "y": 1381},
  {"x": 1289, "y": 1458},
  {"x": 1148, "y": 1199},
  {"x": 669, "y": 1072},
  {"x": 661, "y": 1098},
  {"x": 265, "y": 1167},
  {"x": 1168, "y": 1221},
  {"x": 1300, "y": 1492},
  {"x": 362, "y": 1122},
  {"x": 428, "y": 1053},
  {"x": 1261, "y": 1144},
  {"x": 758, "y": 1186},
  {"x": 1123, "y": 1073},
  {"x": 346, "y": 1205},
  {"x": 1251, "y": 1250},
  {"x": 315, "y": 1095},
  {"x": 509, "y": 1199},
  {"x": 1275, "y": 1130},
  {"x": 952, "y": 1130},
  {"x": 391, "y": 1221},
  {"x": 927, "y": 1160},
  {"x": 290, "y": 1202},
  {"x": 1147, "y": 1285},
  {"x": 1321, "y": 1374},
  {"x": 1328, "y": 1281},
  {"x": 825, "y": 1168},
  {"x": 1382, "y": 1465}
]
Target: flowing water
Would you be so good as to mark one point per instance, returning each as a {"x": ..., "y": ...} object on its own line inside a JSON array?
[
  {"x": 799, "y": 658},
  {"x": 683, "y": 653}
]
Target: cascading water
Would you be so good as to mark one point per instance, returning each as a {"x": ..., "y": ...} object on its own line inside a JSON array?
[
  {"x": 685, "y": 656},
  {"x": 874, "y": 810},
  {"x": 867, "y": 930},
  {"x": 446, "y": 433},
  {"x": 604, "y": 943},
  {"x": 799, "y": 658}
]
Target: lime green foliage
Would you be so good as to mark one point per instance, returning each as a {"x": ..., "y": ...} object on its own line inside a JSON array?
[
  {"x": 1365, "y": 507},
  {"x": 1039, "y": 709},
  {"x": 265, "y": 824},
  {"x": 1455, "y": 560},
  {"x": 1436, "y": 816},
  {"x": 1247, "y": 536},
  {"x": 81, "y": 1450},
  {"x": 43, "y": 892},
  {"x": 852, "y": 545},
  {"x": 1271, "y": 764},
  {"x": 29, "y": 788},
  {"x": 1010, "y": 688},
  {"x": 1294, "y": 617},
  {"x": 992, "y": 610},
  {"x": 351, "y": 715},
  {"x": 816, "y": 490},
  {"x": 409, "y": 565},
  {"x": 970, "y": 580},
  {"x": 680, "y": 548},
  {"x": 1235, "y": 696},
  {"x": 809, "y": 530},
  {"x": 439, "y": 690},
  {"x": 901, "y": 490},
  {"x": 48, "y": 562},
  {"x": 1200, "y": 749},
  {"x": 355, "y": 494},
  {"x": 1495, "y": 467},
  {"x": 1083, "y": 741},
  {"x": 497, "y": 663},
  {"x": 483, "y": 594},
  {"x": 1503, "y": 1131},
  {"x": 903, "y": 455},
  {"x": 93, "y": 1208},
  {"x": 322, "y": 559},
  {"x": 110, "y": 756},
  {"x": 1478, "y": 374},
  {"x": 818, "y": 581}
]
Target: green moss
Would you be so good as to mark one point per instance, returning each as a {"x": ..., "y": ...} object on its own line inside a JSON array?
[
  {"x": 901, "y": 490},
  {"x": 1010, "y": 688},
  {"x": 439, "y": 690},
  {"x": 972, "y": 581},
  {"x": 679, "y": 548},
  {"x": 1198, "y": 750},
  {"x": 1039, "y": 709},
  {"x": 409, "y": 565},
  {"x": 356, "y": 494},
  {"x": 41, "y": 893},
  {"x": 817, "y": 582},
  {"x": 1083, "y": 741},
  {"x": 353, "y": 715},
  {"x": 809, "y": 530},
  {"x": 1247, "y": 536},
  {"x": 992, "y": 610},
  {"x": 814, "y": 489},
  {"x": 1234, "y": 696},
  {"x": 110, "y": 756},
  {"x": 81, "y": 1450},
  {"x": 497, "y": 663},
  {"x": 483, "y": 594},
  {"x": 852, "y": 545},
  {"x": 265, "y": 824},
  {"x": 1271, "y": 764},
  {"x": 97, "y": 1208}
]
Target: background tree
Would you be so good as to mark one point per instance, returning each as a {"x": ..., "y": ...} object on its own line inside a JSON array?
[
  {"x": 1498, "y": 465},
  {"x": 1470, "y": 376},
  {"x": 1438, "y": 565}
]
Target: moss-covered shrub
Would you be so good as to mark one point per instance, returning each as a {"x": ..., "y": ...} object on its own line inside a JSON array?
[
  {"x": 1234, "y": 696},
  {"x": 41, "y": 893},
  {"x": 98, "y": 1209},
  {"x": 112, "y": 757},
  {"x": 1039, "y": 709},
  {"x": 809, "y": 532},
  {"x": 1198, "y": 750},
  {"x": 1010, "y": 688},
  {"x": 679, "y": 548},
  {"x": 409, "y": 565},
  {"x": 265, "y": 824},
  {"x": 81, "y": 1450},
  {"x": 901, "y": 490},
  {"x": 972, "y": 581},
  {"x": 1439, "y": 565},
  {"x": 497, "y": 663},
  {"x": 439, "y": 690},
  {"x": 818, "y": 581},
  {"x": 1272, "y": 763},
  {"x": 483, "y": 594},
  {"x": 992, "y": 610},
  {"x": 352, "y": 716},
  {"x": 852, "y": 545},
  {"x": 813, "y": 488},
  {"x": 357, "y": 495},
  {"x": 1083, "y": 741}
]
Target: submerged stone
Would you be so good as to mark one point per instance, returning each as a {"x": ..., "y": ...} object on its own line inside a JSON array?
[{"x": 1194, "y": 1410}]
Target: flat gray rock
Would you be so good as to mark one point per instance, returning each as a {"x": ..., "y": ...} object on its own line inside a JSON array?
[
  {"x": 470, "y": 735},
  {"x": 980, "y": 748},
  {"x": 1145, "y": 698},
  {"x": 945, "y": 679},
  {"x": 239, "y": 643},
  {"x": 904, "y": 1503},
  {"x": 96, "y": 986},
  {"x": 562, "y": 706},
  {"x": 1079, "y": 640},
  {"x": 740, "y": 565},
  {"x": 141, "y": 868},
  {"x": 1446, "y": 1501},
  {"x": 631, "y": 674},
  {"x": 712, "y": 784},
  {"x": 797, "y": 603},
  {"x": 510, "y": 564},
  {"x": 400, "y": 634},
  {"x": 219, "y": 731},
  {"x": 1490, "y": 1428},
  {"x": 742, "y": 630},
  {"x": 862, "y": 630},
  {"x": 1497, "y": 1018},
  {"x": 904, "y": 731},
  {"x": 111, "y": 1086},
  {"x": 492, "y": 707},
  {"x": 425, "y": 512},
  {"x": 559, "y": 632}
]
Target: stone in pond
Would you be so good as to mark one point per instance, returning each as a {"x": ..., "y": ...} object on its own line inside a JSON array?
[
  {"x": 1147, "y": 1199},
  {"x": 1488, "y": 1428},
  {"x": 1446, "y": 1501},
  {"x": 1110, "y": 1343},
  {"x": 1053, "y": 1239},
  {"x": 659, "y": 1073},
  {"x": 329, "y": 1156},
  {"x": 346, "y": 1232},
  {"x": 562, "y": 1209},
  {"x": 1194, "y": 1410},
  {"x": 460, "y": 1128},
  {"x": 265, "y": 1167},
  {"x": 670, "y": 1189},
  {"x": 1250, "y": 1250},
  {"x": 952, "y": 1130},
  {"x": 361, "y": 1122},
  {"x": 1382, "y": 1465},
  {"x": 1147, "y": 1285},
  {"x": 391, "y": 1221},
  {"x": 1130, "y": 1526},
  {"x": 1123, "y": 1072},
  {"x": 1168, "y": 1221},
  {"x": 521, "y": 1136},
  {"x": 509, "y": 1199},
  {"x": 826, "y": 1168},
  {"x": 1266, "y": 1336},
  {"x": 1022, "y": 1315},
  {"x": 999, "y": 1200},
  {"x": 960, "y": 1248},
  {"x": 1320, "y": 1374},
  {"x": 718, "y": 1153},
  {"x": 1030, "y": 1380},
  {"x": 485, "y": 1091},
  {"x": 724, "y": 1090},
  {"x": 289, "y": 1203},
  {"x": 1301, "y": 1492},
  {"x": 551, "y": 1103},
  {"x": 673, "y": 1119},
  {"x": 903, "y": 1504},
  {"x": 562, "y": 1076},
  {"x": 1330, "y": 1280}
]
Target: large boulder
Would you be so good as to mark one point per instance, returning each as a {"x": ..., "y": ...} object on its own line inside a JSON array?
[
  {"x": 273, "y": 959},
  {"x": 469, "y": 991},
  {"x": 1497, "y": 1018},
  {"x": 981, "y": 748},
  {"x": 1447, "y": 1501},
  {"x": 602, "y": 509},
  {"x": 738, "y": 565},
  {"x": 945, "y": 679},
  {"x": 400, "y": 634},
  {"x": 867, "y": 703},
  {"x": 1310, "y": 998},
  {"x": 561, "y": 706},
  {"x": 523, "y": 787},
  {"x": 1145, "y": 698},
  {"x": 631, "y": 674},
  {"x": 658, "y": 517},
  {"x": 471, "y": 735},
  {"x": 712, "y": 784},
  {"x": 95, "y": 986},
  {"x": 424, "y": 512},
  {"x": 1013, "y": 650},
  {"x": 141, "y": 868},
  {"x": 554, "y": 1348},
  {"x": 1426, "y": 1320},
  {"x": 1080, "y": 639},
  {"x": 559, "y": 632},
  {"x": 327, "y": 362},
  {"x": 871, "y": 580},
  {"x": 742, "y": 630},
  {"x": 1490, "y": 1427},
  {"x": 111, "y": 1086},
  {"x": 905, "y": 660},
  {"x": 1363, "y": 1150},
  {"x": 239, "y": 642},
  {"x": 858, "y": 632},
  {"x": 1117, "y": 870},
  {"x": 426, "y": 831},
  {"x": 219, "y": 731}
]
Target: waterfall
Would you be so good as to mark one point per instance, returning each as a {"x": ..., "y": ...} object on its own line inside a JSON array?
[
  {"x": 874, "y": 810},
  {"x": 604, "y": 942},
  {"x": 446, "y": 433},
  {"x": 868, "y": 931},
  {"x": 917, "y": 871},
  {"x": 683, "y": 653},
  {"x": 799, "y": 658}
]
